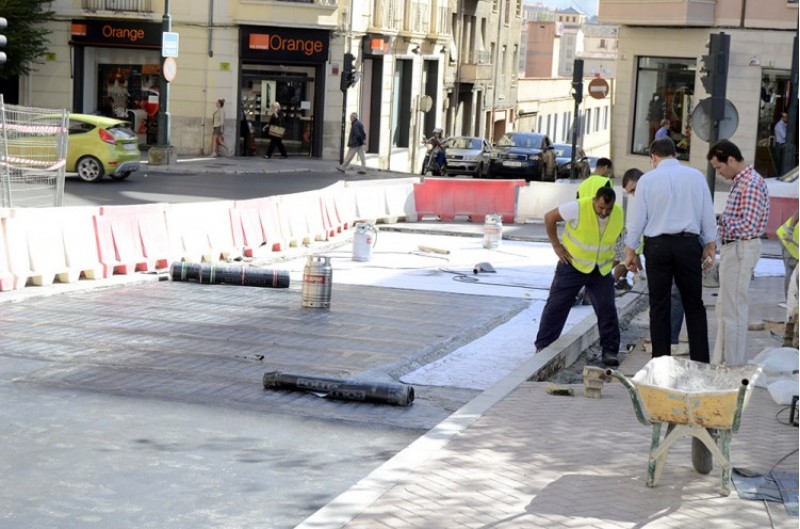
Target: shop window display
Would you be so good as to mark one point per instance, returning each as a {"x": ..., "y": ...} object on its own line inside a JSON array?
[
  {"x": 130, "y": 92},
  {"x": 664, "y": 90}
]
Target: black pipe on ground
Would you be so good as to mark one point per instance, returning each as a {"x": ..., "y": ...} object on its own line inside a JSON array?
[
  {"x": 212, "y": 274},
  {"x": 395, "y": 394}
]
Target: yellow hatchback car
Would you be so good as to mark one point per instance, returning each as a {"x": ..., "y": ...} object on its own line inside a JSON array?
[{"x": 101, "y": 146}]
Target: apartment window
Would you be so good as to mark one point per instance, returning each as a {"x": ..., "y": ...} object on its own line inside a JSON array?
[
  {"x": 588, "y": 114},
  {"x": 539, "y": 127},
  {"x": 664, "y": 89},
  {"x": 602, "y": 44},
  {"x": 549, "y": 119},
  {"x": 565, "y": 126},
  {"x": 554, "y": 137},
  {"x": 597, "y": 119},
  {"x": 605, "y": 118}
]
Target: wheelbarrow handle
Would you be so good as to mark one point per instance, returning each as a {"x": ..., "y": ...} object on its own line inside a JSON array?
[
  {"x": 637, "y": 405},
  {"x": 737, "y": 416}
]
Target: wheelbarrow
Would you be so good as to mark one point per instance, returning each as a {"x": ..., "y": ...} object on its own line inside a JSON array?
[{"x": 695, "y": 400}]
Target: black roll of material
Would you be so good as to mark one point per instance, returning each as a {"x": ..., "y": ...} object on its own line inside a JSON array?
[
  {"x": 380, "y": 393},
  {"x": 212, "y": 274}
]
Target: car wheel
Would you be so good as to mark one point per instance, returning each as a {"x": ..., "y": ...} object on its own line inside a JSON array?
[
  {"x": 90, "y": 169},
  {"x": 121, "y": 176}
]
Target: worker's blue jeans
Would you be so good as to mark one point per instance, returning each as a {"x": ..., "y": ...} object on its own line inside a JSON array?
[{"x": 566, "y": 284}]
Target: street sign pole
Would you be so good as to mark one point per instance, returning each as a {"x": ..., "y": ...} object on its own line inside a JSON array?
[
  {"x": 163, "y": 96},
  {"x": 162, "y": 153}
]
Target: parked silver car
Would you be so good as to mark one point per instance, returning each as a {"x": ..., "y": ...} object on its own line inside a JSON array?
[{"x": 466, "y": 155}]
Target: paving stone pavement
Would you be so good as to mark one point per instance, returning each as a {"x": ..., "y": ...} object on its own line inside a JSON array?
[{"x": 532, "y": 460}]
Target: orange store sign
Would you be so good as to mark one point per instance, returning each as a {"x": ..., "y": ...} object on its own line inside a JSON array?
[{"x": 285, "y": 44}]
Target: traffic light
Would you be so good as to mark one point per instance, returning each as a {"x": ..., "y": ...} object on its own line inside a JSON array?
[
  {"x": 714, "y": 72},
  {"x": 3, "y": 40},
  {"x": 348, "y": 72},
  {"x": 577, "y": 80}
]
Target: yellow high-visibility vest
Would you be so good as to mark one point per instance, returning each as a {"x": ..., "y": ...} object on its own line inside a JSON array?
[
  {"x": 588, "y": 188},
  {"x": 789, "y": 238},
  {"x": 587, "y": 245}
]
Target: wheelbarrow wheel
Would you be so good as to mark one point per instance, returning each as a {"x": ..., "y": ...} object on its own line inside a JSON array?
[{"x": 702, "y": 461}]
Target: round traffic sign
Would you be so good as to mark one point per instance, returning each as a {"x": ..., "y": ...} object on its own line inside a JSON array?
[
  {"x": 170, "y": 68},
  {"x": 598, "y": 88}
]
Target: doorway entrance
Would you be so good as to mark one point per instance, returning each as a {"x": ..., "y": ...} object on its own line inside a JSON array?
[{"x": 293, "y": 88}]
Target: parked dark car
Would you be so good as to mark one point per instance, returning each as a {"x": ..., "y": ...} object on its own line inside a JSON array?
[
  {"x": 564, "y": 161},
  {"x": 466, "y": 155},
  {"x": 527, "y": 155}
]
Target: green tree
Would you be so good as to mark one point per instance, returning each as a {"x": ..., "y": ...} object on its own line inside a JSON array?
[{"x": 26, "y": 33}]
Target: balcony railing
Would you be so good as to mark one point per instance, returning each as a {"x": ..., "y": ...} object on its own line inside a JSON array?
[{"x": 135, "y": 6}]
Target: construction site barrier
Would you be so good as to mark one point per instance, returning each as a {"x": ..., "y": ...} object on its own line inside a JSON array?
[
  {"x": 7, "y": 279},
  {"x": 139, "y": 234},
  {"x": 537, "y": 198},
  {"x": 45, "y": 244},
  {"x": 301, "y": 217},
  {"x": 382, "y": 201},
  {"x": 201, "y": 231},
  {"x": 448, "y": 198}
]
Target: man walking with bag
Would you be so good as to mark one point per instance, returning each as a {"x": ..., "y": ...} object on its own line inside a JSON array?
[{"x": 355, "y": 144}]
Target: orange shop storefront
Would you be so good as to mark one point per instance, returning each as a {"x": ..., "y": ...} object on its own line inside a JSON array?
[
  {"x": 116, "y": 68},
  {"x": 286, "y": 65}
]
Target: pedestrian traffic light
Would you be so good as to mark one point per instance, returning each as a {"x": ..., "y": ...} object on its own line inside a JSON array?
[
  {"x": 3, "y": 40},
  {"x": 348, "y": 72},
  {"x": 577, "y": 80},
  {"x": 714, "y": 72}
]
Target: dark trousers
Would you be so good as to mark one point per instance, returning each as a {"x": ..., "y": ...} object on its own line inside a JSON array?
[
  {"x": 668, "y": 258},
  {"x": 276, "y": 142},
  {"x": 566, "y": 284}
]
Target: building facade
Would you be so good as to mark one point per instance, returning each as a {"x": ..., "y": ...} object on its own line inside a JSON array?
[
  {"x": 420, "y": 65},
  {"x": 661, "y": 45}
]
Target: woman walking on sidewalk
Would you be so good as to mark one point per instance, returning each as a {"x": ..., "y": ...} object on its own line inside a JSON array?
[
  {"x": 275, "y": 131},
  {"x": 218, "y": 124}
]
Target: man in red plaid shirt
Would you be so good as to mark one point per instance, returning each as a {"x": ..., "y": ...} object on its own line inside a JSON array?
[{"x": 740, "y": 227}]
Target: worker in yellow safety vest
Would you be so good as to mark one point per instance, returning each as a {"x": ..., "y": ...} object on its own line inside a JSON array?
[
  {"x": 603, "y": 173},
  {"x": 788, "y": 235},
  {"x": 585, "y": 254}
]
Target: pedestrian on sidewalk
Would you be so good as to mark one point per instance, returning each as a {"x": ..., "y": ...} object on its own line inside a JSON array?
[
  {"x": 741, "y": 225},
  {"x": 355, "y": 144},
  {"x": 585, "y": 254},
  {"x": 275, "y": 130},
  {"x": 218, "y": 127},
  {"x": 673, "y": 210}
]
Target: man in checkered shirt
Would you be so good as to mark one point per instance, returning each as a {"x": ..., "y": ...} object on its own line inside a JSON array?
[{"x": 740, "y": 227}]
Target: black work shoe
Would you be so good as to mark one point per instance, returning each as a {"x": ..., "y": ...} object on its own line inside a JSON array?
[
  {"x": 610, "y": 360},
  {"x": 622, "y": 284}
]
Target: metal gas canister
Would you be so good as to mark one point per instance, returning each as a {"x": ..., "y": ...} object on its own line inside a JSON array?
[
  {"x": 492, "y": 231},
  {"x": 363, "y": 241},
  {"x": 317, "y": 282}
]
